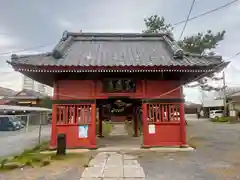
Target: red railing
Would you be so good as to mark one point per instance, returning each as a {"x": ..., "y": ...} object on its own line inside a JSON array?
[
  {"x": 73, "y": 114},
  {"x": 158, "y": 112}
]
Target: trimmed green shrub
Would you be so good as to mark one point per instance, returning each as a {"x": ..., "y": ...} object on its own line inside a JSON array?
[
  {"x": 3, "y": 162},
  {"x": 223, "y": 119}
]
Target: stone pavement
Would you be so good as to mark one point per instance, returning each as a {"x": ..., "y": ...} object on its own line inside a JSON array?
[
  {"x": 193, "y": 117},
  {"x": 113, "y": 166},
  {"x": 118, "y": 130}
]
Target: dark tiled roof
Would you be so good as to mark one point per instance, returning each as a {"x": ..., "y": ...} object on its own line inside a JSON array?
[
  {"x": 28, "y": 94},
  {"x": 5, "y": 92},
  {"x": 114, "y": 49}
]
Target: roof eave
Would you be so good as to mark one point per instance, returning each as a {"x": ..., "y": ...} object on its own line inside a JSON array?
[{"x": 80, "y": 69}]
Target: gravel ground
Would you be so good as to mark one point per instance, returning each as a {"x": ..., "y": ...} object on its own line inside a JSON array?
[
  {"x": 15, "y": 142},
  {"x": 68, "y": 169},
  {"x": 217, "y": 155}
]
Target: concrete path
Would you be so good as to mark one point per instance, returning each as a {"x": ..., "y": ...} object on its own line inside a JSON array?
[
  {"x": 113, "y": 166},
  {"x": 193, "y": 117},
  {"x": 118, "y": 130}
]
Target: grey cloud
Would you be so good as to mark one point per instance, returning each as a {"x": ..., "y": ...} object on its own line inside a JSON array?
[{"x": 33, "y": 23}]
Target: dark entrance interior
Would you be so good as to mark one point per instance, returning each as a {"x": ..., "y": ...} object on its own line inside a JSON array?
[{"x": 119, "y": 122}]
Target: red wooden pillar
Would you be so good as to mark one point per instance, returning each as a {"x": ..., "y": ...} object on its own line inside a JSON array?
[
  {"x": 145, "y": 124},
  {"x": 93, "y": 127},
  {"x": 100, "y": 119},
  {"x": 53, "y": 142},
  {"x": 182, "y": 124},
  {"x": 135, "y": 122}
]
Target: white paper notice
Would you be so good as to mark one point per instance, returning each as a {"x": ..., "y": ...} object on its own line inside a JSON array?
[
  {"x": 83, "y": 131},
  {"x": 151, "y": 128}
]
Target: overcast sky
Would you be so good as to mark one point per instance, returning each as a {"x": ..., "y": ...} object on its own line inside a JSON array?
[{"x": 28, "y": 23}]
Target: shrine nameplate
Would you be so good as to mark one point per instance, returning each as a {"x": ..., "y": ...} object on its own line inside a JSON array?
[{"x": 119, "y": 85}]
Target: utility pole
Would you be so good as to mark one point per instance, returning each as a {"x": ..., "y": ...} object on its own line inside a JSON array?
[{"x": 224, "y": 95}]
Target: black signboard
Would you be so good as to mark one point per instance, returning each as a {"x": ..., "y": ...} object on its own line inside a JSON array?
[{"x": 119, "y": 85}]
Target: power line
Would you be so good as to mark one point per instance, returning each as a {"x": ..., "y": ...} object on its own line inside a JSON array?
[
  {"x": 175, "y": 24},
  {"x": 206, "y": 13},
  {"x": 189, "y": 13},
  {"x": 167, "y": 92},
  {"x": 26, "y": 49},
  {"x": 7, "y": 72},
  {"x": 7, "y": 34},
  {"x": 7, "y": 77},
  {"x": 237, "y": 54},
  {"x": 195, "y": 79}
]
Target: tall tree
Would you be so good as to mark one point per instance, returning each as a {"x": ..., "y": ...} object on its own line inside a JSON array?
[
  {"x": 200, "y": 43},
  {"x": 156, "y": 24}
]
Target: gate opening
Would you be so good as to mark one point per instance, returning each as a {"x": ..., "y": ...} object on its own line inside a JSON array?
[{"x": 123, "y": 117}]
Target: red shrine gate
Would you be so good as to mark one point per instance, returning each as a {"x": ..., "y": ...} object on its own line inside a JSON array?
[
  {"x": 86, "y": 70},
  {"x": 162, "y": 119},
  {"x": 68, "y": 118},
  {"x": 163, "y": 124}
]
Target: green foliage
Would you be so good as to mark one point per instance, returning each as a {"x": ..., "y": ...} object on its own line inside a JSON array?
[
  {"x": 45, "y": 162},
  {"x": 3, "y": 162},
  {"x": 67, "y": 156},
  {"x": 29, "y": 157},
  {"x": 40, "y": 147},
  {"x": 34, "y": 158},
  {"x": 106, "y": 128},
  {"x": 10, "y": 166},
  {"x": 46, "y": 102},
  {"x": 156, "y": 24},
  {"x": 201, "y": 42},
  {"x": 198, "y": 43},
  {"x": 223, "y": 119}
]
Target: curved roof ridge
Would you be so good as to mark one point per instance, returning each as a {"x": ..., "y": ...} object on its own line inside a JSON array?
[
  {"x": 16, "y": 56},
  {"x": 109, "y": 34},
  {"x": 203, "y": 56},
  {"x": 177, "y": 51}
]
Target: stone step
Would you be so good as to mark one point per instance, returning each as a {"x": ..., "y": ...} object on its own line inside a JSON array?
[{"x": 112, "y": 122}]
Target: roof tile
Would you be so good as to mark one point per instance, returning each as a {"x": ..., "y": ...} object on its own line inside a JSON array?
[{"x": 89, "y": 49}]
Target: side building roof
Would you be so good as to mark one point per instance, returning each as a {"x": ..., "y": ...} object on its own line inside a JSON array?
[{"x": 27, "y": 94}]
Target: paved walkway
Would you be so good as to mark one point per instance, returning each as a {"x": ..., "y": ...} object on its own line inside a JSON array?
[
  {"x": 118, "y": 130},
  {"x": 113, "y": 166},
  {"x": 193, "y": 117}
]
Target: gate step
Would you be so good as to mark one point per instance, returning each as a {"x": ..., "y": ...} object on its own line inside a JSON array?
[{"x": 113, "y": 122}]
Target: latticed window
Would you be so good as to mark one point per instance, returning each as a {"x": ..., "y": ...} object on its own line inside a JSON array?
[
  {"x": 73, "y": 114},
  {"x": 163, "y": 112},
  {"x": 84, "y": 114}
]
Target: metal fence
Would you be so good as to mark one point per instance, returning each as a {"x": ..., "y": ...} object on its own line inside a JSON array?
[{"x": 36, "y": 129}]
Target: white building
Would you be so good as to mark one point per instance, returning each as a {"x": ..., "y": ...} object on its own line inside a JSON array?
[
  {"x": 36, "y": 86},
  {"x": 28, "y": 83}
]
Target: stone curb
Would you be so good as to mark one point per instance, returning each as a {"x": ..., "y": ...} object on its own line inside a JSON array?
[{"x": 127, "y": 149}]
